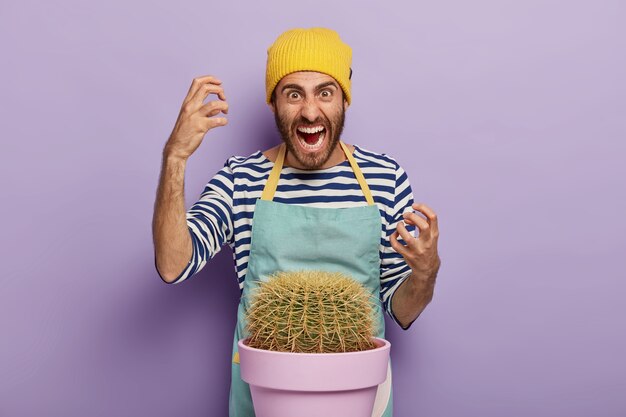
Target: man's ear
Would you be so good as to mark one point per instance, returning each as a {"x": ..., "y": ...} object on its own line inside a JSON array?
[
  {"x": 345, "y": 105},
  {"x": 271, "y": 106}
]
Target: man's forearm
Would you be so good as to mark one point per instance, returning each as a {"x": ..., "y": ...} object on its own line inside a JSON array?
[
  {"x": 412, "y": 297},
  {"x": 172, "y": 243}
]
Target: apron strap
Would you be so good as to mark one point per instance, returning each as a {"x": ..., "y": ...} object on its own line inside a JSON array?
[
  {"x": 272, "y": 181},
  {"x": 359, "y": 175}
]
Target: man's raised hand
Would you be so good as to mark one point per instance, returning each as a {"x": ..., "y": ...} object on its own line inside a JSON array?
[{"x": 195, "y": 118}]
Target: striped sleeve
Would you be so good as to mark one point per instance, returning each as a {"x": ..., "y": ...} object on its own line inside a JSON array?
[
  {"x": 393, "y": 268},
  {"x": 209, "y": 221}
]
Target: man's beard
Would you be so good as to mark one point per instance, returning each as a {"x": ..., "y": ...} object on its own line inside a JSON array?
[{"x": 332, "y": 133}]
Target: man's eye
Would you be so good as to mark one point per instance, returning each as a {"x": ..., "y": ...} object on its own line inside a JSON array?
[
  {"x": 293, "y": 95},
  {"x": 326, "y": 91}
]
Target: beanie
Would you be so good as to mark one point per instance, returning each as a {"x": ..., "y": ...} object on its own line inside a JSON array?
[{"x": 313, "y": 49}]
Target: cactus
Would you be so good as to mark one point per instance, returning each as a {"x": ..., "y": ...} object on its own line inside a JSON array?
[{"x": 311, "y": 312}]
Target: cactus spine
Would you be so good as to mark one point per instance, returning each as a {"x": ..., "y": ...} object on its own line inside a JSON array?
[{"x": 311, "y": 312}]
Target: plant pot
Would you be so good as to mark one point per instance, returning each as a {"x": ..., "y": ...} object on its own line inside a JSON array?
[{"x": 286, "y": 384}]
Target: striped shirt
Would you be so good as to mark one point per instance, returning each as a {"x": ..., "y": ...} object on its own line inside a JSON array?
[{"x": 223, "y": 213}]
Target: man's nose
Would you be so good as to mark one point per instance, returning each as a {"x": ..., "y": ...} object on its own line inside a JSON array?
[{"x": 310, "y": 109}]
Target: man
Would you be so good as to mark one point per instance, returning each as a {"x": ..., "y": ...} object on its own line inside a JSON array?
[{"x": 308, "y": 90}]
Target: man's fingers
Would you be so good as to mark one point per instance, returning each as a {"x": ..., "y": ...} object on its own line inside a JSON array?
[
  {"x": 198, "y": 99},
  {"x": 406, "y": 235},
  {"x": 431, "y": 216},
  {"x": 397, "y": 246},
  {"x": 213, "y": 107},
  {"x": 418, "y": 221},
  {"x": 211, "y": 122},
  {"x": 197, "y": 83},
  {"x": 205, "y": 90}
]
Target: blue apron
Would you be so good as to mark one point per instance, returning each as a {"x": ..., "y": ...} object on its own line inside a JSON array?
[{"x": 288, "y": 237}]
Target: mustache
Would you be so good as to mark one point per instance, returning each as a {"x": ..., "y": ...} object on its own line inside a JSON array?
[{"x": 307, "y": 123}]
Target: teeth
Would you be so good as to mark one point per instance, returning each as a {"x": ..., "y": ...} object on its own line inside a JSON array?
[{"x": 311, "y": 129}]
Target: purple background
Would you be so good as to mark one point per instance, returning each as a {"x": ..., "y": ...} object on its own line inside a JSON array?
[{"x": 507, "y": 116}]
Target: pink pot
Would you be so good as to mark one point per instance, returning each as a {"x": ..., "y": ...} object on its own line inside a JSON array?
[{"x": 285, "y": 384}]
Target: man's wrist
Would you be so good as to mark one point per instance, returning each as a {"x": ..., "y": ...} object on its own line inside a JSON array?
[
  {"x": 170, "y": 157},
  {"x": 422, "y": 288}
]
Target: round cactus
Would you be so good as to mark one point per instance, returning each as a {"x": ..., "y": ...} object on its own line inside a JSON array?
[{"x": 311, "y": 312}]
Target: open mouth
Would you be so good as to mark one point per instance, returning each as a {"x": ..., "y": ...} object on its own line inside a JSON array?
[{"x": 311, "y": 138}]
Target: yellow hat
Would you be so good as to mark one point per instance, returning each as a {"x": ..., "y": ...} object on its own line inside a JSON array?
[{"x": 313, "y": 49}]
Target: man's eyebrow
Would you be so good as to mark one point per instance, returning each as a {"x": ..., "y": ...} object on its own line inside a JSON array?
[{"x": 319, "y": 87}]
